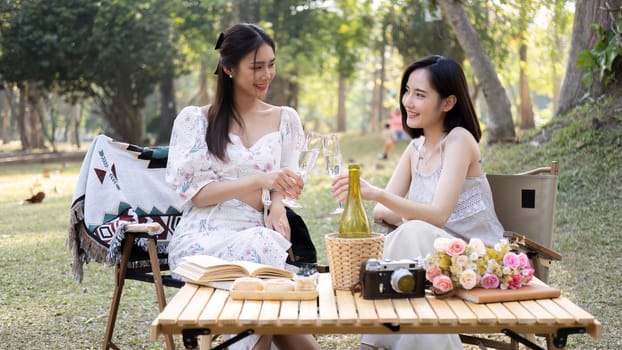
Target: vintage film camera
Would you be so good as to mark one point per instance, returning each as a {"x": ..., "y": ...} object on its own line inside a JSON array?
[{"x": 382, "y": 279}]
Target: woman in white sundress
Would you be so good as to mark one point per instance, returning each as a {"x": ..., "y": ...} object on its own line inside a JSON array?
[
  {"x": 224, "y": 156},
  {"x": 438, "y": 188}
]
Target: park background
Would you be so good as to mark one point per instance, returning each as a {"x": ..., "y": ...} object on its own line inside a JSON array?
[{"x": 546, "y": 83}]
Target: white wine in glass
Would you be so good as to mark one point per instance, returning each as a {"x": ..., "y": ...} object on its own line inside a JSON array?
[
  {"x": 306, "y": 161},
  {"x": 334, "y": 162}
]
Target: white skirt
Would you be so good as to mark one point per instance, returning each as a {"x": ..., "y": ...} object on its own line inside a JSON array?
[{"x": 411, "y": 240}]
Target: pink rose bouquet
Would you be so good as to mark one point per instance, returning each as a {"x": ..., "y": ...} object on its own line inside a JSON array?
[{"x": 456, "y": 264}]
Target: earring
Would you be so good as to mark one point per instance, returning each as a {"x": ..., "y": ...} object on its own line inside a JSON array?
[{"x": 230, "y": 76}]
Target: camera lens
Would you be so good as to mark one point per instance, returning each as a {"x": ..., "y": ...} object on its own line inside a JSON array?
[{"x": 402, "y": 281}]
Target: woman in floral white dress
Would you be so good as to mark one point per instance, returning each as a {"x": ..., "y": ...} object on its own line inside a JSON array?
[{"x": 223, "y": 156}]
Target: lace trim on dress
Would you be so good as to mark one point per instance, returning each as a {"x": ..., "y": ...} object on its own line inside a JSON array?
[{"x": 469, "y": 203}]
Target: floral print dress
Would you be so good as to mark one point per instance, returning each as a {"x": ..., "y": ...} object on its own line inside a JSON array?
[{"x": 231, "y": 230}]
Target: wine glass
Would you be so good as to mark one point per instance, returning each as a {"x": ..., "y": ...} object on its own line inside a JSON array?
[
  {"x": 306, "y": 161},
  {"x": 334, "y": 162}
]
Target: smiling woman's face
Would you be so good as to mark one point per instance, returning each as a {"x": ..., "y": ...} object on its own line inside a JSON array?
[
  {"x": 255, "y": 73},
  {"x": 422, "y": 102}
]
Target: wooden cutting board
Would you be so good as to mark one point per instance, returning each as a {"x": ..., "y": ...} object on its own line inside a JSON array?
[
  {"x": 535, "y": 290},
  {"x": 261, "y": 295}
]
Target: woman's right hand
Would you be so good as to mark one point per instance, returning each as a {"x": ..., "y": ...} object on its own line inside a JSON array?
[
  {"x": 285, "y": 181},
  {"x": 340, "y": 188}
]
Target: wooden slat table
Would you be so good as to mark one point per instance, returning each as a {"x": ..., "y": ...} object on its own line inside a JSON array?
[{"x": 198, "y": 310}]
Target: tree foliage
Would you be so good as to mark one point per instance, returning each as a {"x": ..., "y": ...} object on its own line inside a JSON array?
[
  {"x": 417, "y": 30},
  {"x": 114, "y": 51}
]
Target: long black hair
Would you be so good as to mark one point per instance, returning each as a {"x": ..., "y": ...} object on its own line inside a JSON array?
[
  {"x": 234, "y": 43},
  {"x": 447, "y": 78}
]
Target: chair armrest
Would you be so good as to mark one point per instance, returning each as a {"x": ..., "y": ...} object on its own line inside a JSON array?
[
  {"x": 551, "y": 170},
  {"x": 531, "y": 247},
  {"x": 149, "y": 227}
]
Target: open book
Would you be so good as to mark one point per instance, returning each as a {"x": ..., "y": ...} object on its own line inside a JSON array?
[{"x": 202, "y": 269}]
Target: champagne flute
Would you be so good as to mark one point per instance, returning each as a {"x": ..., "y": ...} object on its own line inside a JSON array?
[
  {"x": 334, "y": 162},
  {"x": 306, "y": 161}
]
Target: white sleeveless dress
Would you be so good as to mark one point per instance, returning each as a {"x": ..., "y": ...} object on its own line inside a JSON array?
[{"x": 473, "y": 217}]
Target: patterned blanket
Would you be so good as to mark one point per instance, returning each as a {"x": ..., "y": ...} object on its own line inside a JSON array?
[{"x": 119, "y": 183}]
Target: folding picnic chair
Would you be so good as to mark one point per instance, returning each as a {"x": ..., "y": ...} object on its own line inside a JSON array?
[
  {"x": 525, "y": 205},
  {"x": 123, "y": 214}
]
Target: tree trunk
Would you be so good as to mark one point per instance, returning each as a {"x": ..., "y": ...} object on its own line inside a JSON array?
[
  {"x": 382, "y": 112},
  {"x": 38, "y": 130},
  {"x": 168, "y": 108},
  {"x": 203, "y": 90},
  {"x": 249, "y": 11},
  {"x": 526, "y": 107},
  {"x": 500, "y": 124},
  {"x": 341, "y": 105},
  {"x": 558, "y": 49},
  {"x": 7, "y": 108},
  {"x": 201, "y": 98},
  {"x": 75, "y": 119},
  {"x": 586, "y": 12},
  {"x": 32, "y": 120},
  {"x": 376, "y": 92},
  {"x": 20, "y": 117},
  {"x": 126, "y": 120}
]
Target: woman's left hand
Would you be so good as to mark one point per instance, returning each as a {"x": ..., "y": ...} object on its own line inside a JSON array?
[{"x": 277, "y": 220}]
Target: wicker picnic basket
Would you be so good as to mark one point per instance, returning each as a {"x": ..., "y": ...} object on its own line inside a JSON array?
[{"x": 346, "y": 254}]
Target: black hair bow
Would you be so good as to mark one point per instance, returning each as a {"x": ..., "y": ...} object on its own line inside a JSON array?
[{"x": 221, "y": 38}]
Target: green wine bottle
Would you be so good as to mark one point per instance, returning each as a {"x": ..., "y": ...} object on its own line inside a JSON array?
[{"x": 354, "y": 222}]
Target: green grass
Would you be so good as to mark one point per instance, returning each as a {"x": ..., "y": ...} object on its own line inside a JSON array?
[{"x": 42, "y": 307}]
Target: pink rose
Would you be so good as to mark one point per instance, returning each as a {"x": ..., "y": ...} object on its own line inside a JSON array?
[
  {"x": 523, "y": 260},
  {"x": 432, "y": 272},
  {"x": 456, "y": 247},
  {"x": 515, "y": 282},
  {"x": 442, "y": 284},
  {"x": 489, "y": 281},
  {"x": 511, "y": 260}
]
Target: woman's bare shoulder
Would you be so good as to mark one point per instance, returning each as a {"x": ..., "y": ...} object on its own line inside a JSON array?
[
  {"x": 205, "y": 109},
  {"x": 461, "y": 136}
]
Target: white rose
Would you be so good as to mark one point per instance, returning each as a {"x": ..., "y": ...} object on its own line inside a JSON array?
[
  {"x": 477, "y": 246},
  {"x": 468, "y": 279},
  {"x": 441, "y": 244}
]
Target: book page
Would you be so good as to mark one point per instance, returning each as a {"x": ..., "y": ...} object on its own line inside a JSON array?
[
  {"x": 264, "y": 271},
  {"x": 205, "y": 268}
]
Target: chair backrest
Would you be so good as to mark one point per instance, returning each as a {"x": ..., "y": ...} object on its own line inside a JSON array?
[
  {"x": 525, "y": 203},
  {"x": 119, "y": 182}
]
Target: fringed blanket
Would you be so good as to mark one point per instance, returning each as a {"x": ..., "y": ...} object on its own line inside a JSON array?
[{"x": 119, "y": 183}]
